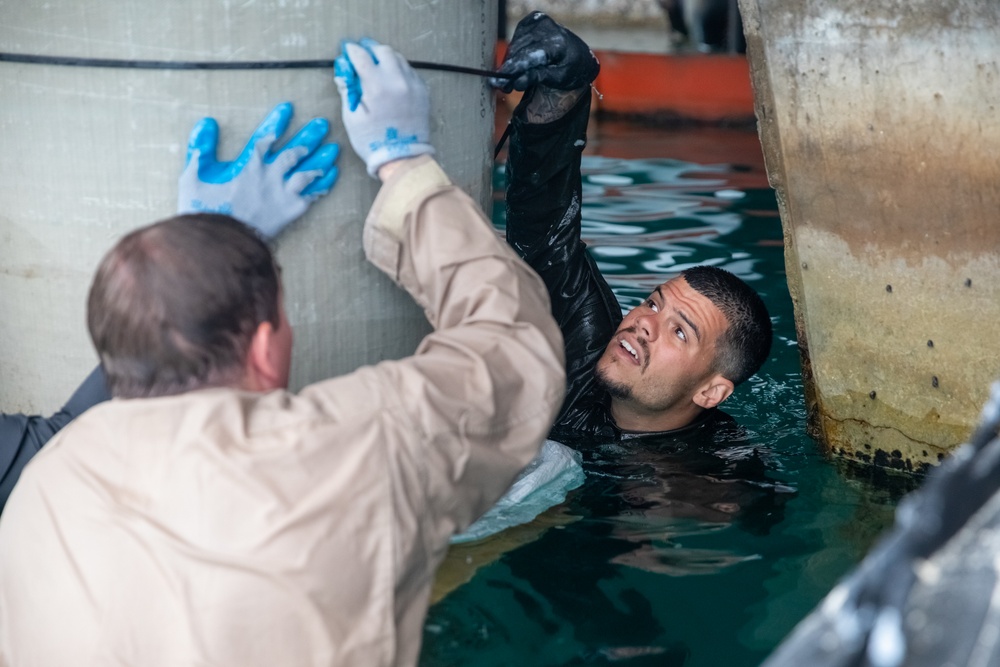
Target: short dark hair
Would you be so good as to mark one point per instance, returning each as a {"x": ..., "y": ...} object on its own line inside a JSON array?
[
  {"x": 744, "y": 347},
  {"x": 174, "y": 305}
]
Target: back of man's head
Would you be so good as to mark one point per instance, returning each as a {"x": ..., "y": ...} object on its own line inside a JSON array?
[
  {"x": 743, "y": 349},
  {"x": 174, "y": 305}
]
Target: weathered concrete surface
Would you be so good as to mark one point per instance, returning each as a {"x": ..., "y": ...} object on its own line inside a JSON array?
[
  {"x": 90, "y": 153},
  {"x": 880, "y": 122}
]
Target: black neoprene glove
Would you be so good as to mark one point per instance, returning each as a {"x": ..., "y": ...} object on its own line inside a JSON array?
[{"x": 543, "y": 52}]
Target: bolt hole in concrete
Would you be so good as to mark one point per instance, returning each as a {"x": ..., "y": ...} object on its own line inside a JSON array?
[{"x": 673, "y": 555}]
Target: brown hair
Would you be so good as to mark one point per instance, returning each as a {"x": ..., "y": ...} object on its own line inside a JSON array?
[
  {"x": 174, "y": 305},
  {"x": 745, "y": 345}
]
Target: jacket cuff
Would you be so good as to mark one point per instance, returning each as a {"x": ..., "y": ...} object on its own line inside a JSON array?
[{"x": 415, "y": 180}]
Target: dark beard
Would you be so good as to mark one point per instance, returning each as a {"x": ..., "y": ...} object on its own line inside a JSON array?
[{"x": 617, "y": 391}]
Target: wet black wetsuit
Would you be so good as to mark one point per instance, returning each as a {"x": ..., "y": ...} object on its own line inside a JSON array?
[
  {"x": 21, "y": 436},
  {"x": 544, "y": 187}
]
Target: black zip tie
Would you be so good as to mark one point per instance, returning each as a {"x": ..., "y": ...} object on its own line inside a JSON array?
[
  {"x": 503, "y": 140},
  {"x": 506, "y": 131},
  {"x": 72, "y": 61},
  {"x": 422, "y": 64}
]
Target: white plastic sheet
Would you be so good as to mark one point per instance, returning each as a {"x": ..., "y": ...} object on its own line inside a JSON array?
[{"x": 544, "y": 483}]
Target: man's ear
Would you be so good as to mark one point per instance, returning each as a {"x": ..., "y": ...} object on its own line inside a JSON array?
[
  {"x": 261, "y": 372},
  {"x": 714, "y": 391}
]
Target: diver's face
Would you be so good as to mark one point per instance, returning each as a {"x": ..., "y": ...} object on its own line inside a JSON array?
[{"x": 663, "y": 351}]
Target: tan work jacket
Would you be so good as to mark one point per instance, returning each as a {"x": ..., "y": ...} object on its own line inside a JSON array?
[{"x": 221, "y": 527}]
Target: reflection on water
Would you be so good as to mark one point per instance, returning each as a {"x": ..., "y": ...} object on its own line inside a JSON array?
[
  {"x": 663, "y": 495},
  {"x": 703, "y": 551},
  {"x": 647, "y": 220}
]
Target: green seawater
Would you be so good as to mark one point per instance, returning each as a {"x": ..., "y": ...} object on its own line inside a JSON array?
[{"x": 675, "y": 559}]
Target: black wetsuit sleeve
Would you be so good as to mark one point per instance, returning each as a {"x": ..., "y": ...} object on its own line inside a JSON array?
[
  {"x": 544, "y": 190},
  {"x": 21, "y": 436}
]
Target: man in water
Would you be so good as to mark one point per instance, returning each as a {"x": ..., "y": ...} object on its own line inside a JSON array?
[
  {"x": 660, "y": 372},
  {"x": 669, "y": 362},
  {"x": 208, "y": 515}
]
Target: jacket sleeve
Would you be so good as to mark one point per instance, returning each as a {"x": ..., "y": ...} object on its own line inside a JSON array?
[
  {"x": 544, "y": 196},
  {"x": 481, "y": 391},
  {"x": 21, "y": 436}
]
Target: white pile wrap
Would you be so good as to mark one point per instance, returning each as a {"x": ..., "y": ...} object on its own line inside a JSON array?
[{"x": 544, "y": 483}]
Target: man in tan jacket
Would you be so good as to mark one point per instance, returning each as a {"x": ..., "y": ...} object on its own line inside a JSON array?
[{"x": 207, "y": 516}]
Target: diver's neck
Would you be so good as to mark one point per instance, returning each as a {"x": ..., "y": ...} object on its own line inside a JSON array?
[{"x": 629, "y": 417}]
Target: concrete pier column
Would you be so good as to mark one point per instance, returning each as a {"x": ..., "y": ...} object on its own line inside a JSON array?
[
  {"x": 87, "y": 154},
  {"x": 880, "y": 122}
]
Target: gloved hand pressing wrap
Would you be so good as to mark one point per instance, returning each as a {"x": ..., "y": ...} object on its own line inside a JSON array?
[
  {"x": 265, "y": 189},
  {"x": 542, "y": 52},
  {"x": 385, "y": 105}
]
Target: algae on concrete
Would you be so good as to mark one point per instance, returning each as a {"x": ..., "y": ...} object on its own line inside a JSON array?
[{"x": 880, "y": 123}]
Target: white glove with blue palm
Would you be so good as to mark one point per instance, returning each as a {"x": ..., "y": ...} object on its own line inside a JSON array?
[
  {"x": 265, "y": 189},
  {"x": 385, "y": 106}
]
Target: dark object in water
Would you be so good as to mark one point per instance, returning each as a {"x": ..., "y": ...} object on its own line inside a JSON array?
[
  {"x": 710, "y": 25},
  {"x": 922, "y": 597}
]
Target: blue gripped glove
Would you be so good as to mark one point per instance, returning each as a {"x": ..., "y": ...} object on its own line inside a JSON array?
[
  {"x": 385, "y": 106},
  {"x": 263, "y": 188},
  {"x": 542, "y": 52}
]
